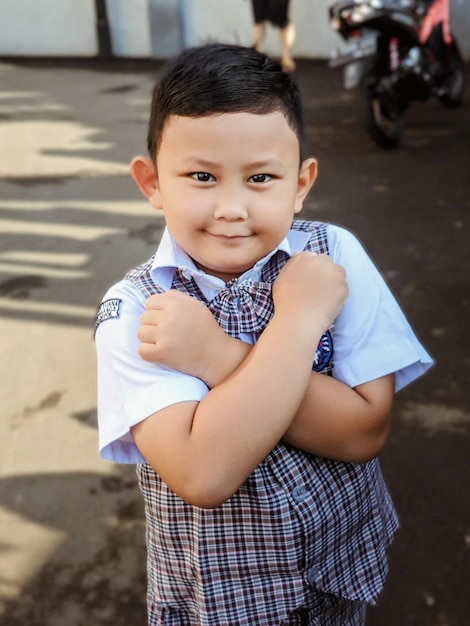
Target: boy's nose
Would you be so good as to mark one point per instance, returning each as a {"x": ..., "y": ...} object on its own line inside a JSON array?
[{"x": 230, "y": 207}]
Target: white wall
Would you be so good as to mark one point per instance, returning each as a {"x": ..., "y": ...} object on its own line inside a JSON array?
[
  {"x": 129, "y": 28},
  {"x": 48, "y": 28},
  {"x": 216, "y": 20},
  {"x": 207, "y": 20},
  {"x": 230, "y": 21},
  {"x": 166, "y": 26},
  {"x": 161, "y": 28},
  {"x": 460, "y": 24},
  {"x": 315, "y": 38}
]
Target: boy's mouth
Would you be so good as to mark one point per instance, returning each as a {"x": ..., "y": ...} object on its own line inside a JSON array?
[{"x": 230, "y": 237}]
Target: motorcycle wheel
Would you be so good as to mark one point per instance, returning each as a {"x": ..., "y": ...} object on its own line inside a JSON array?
[
  {"x": 384, "y": 116},
  {"x": 454, "y": 83}
]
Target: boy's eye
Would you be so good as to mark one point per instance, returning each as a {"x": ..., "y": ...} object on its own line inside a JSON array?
[
  {"x": 260, "y": 178},
  {"x": 202, "y": 177}
]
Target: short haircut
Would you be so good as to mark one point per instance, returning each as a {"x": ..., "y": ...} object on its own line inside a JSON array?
[{"x": 219, "y": 78}]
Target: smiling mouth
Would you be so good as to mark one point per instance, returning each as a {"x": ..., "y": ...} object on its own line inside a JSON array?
[{"x": 223, "y": 237}]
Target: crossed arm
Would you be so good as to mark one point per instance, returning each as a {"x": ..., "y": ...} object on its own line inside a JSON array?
[{"x": 258, "y": 394}]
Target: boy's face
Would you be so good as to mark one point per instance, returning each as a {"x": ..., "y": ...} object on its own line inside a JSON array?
[{"x": 229, "y": 186}]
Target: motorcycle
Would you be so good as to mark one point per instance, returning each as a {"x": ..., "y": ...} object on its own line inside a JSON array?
[{"x": 397, "y": 52}]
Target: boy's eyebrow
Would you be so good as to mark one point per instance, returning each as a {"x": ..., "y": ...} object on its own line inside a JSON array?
[
  {"x": 274, "y": 162},
  {"x": 266, "y": 163},
  {"x": 195, "y": 160}
]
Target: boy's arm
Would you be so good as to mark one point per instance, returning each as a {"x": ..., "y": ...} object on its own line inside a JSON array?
[
  {"x": 341, "y": 423},
  {"x": 333, "y": 420},
  {"x": 204, "y": 451}
]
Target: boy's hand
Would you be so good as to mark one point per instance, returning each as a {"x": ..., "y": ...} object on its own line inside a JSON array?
[
  {"x": 176, "y": 330},
  {"x": 180, "y": 332},
  {"x": 310, "y": 287}
]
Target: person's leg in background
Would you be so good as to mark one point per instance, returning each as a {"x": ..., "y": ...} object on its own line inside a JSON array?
[
  {"x": 260, "y": 13},
  {"x": 258, "y": 34},
  {"x": 277, "y": 13},
  {"x": 287, "y": 37}
]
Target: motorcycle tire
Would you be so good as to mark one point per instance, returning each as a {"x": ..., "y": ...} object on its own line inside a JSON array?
[
  {"x": 384, "y": 118},
  {"x": 454, "y": 84}
]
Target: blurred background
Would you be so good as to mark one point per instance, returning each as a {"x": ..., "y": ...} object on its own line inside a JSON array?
[{"x": 157, "y": 29}]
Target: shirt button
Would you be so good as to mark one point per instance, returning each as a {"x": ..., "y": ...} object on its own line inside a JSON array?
[
  {"x": 312, "y": 574},
  {"x": 299, "y": 494}
]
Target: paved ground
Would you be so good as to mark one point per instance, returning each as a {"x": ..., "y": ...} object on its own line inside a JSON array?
[{"x": 71, "y": 547}]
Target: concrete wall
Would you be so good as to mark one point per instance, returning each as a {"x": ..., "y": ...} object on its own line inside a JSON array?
[
  {"x": 48, "y": 28},
  {"x": 166, "y": 23},
  {"x": 207, "y": 20},
  {"x": 160, "y": 28},
  {"x": 460, "y": 24},
  {"x": 129, "y": 28},
  {"x": 314, "y": 37}
]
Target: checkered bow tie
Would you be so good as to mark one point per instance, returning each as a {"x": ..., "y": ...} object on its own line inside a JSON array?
[
  {"x": 240, "y": 307},
  {"x": 243, "y": 307}
]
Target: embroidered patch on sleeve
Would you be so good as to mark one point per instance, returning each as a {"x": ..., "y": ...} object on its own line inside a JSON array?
[{"x": 109, "y": 309}]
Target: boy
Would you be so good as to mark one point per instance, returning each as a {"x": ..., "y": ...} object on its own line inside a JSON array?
[{"x": 255, "y": 448}]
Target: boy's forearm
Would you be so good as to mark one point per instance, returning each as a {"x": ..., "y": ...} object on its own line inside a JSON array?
[
  {"x": 333, "y": 420},
  {"x": 341, "y": 423},
  {"x": 259, "y": 401},
  {"x": 222, "y": 358}
]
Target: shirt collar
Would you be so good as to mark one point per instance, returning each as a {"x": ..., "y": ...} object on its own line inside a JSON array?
[{"x": 170, "y": 256}]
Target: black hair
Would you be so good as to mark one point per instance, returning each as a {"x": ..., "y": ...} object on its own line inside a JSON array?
[{"x": 220, "y": 78}]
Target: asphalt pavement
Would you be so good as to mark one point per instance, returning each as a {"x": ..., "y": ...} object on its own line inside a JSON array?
[{"x": 72, "y": 222}]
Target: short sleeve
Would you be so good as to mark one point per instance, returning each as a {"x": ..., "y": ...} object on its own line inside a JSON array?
[
  {"x": 372, "y": 337},
  {"x": 129, "y": 388}
]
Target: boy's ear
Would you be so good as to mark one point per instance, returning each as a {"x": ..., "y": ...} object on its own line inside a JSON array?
[
  {"x": 307, "y": 176},
  {"x": 144, "y": 174}
]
